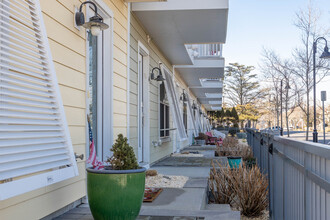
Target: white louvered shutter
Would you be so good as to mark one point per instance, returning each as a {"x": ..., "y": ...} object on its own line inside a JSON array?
[
  {"x": 191, "y": 117},
  {"x": 198, "y": 119},
  {"x": 174, "y": 104},
  {"x": 35, "y": 144}
]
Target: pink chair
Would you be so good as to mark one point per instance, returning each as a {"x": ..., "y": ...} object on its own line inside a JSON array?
[{"x": 211, "y": 139}]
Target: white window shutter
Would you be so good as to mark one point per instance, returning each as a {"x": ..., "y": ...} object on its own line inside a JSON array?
[
  {"x": 191, "y": 117},
  {"x": 35, "y": 144},
  {"x": 174, "y": 104},
  {"x": 198, "y": 119}
]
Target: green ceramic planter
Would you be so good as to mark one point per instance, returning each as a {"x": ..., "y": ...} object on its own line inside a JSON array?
[{"x": 115, "y": 194}]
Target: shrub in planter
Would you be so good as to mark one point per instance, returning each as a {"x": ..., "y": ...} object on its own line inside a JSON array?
[
  {"x": 116, "y": 192},
  {"x": 243, "y": 188},
  {"x": 250, "y": 187},
  {"x": 219, "y": 185}
]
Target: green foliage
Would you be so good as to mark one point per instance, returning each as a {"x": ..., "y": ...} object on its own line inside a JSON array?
[
  {"x": 234, "y": 114},
  {"x": 123, "y": 155},
  {"x": 242, "y": 86}
]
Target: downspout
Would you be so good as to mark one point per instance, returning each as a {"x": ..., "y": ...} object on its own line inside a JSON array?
[{"x": 128, "y": 67}]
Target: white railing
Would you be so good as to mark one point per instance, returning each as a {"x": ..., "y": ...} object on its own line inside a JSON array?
[
  {"x": 298, "y": 173},
  {"x": 209, "y": 50},
  {"x": 204, "y": 50}
]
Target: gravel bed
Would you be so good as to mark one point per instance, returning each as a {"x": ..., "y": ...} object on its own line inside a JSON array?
[{"x": 166, "y": 181}]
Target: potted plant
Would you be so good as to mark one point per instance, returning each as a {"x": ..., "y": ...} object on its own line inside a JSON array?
[
  {"x": 117, "y": 191},
  {"x": 201, "y": 139},
  {"x": 234, "y": 161}
]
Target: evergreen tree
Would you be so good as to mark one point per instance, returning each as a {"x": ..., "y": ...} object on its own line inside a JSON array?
[{"x": 123, "y": 155}]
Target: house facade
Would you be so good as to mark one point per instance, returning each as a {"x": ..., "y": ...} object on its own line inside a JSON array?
[{"x": 60, "y": 83}]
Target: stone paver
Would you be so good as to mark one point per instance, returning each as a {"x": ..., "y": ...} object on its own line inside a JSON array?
[
  {"x": 196, "y": 183},
  {"x": 190, "y": 161},
  {"x": 193, "y": 172},
  {"x": 186, "y": 199}
]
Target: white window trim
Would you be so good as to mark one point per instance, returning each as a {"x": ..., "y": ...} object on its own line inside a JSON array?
[
  {"x": 107, "y": 116},
  {"x": 16, "y": 187},
  {"x": 146, "y": 137}
]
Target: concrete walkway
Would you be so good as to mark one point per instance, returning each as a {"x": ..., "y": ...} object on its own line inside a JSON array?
[{"x": 187, "y": 203}]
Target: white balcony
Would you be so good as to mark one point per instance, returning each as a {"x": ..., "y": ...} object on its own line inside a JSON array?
[{"x": 176, "y": 23}]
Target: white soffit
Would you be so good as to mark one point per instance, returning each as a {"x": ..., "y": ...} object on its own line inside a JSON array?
[{"x": 174, "y": 23}]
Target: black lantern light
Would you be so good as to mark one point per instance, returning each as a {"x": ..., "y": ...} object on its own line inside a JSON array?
[
  {"x": 184, "y": 97},
  {"x": 95, "y": 23},
  {"x": 159, "y": 78}
]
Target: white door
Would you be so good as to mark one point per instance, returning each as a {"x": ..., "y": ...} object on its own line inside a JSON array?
[{"x": 141, "y": 110}]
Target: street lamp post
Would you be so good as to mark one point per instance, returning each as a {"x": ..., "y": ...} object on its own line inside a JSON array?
[
  {"x": 281, "y": 129},
  {"x": 325, "y": 55},
  {"x": 323, "y": 99}
]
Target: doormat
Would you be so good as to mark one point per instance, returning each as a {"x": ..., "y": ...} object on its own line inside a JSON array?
[{"x": 150, "y": 194}]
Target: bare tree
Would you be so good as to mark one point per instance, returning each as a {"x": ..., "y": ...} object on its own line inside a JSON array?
[
  {"x": 307, "y": 21},
  {"x": 281, "y": 76}
]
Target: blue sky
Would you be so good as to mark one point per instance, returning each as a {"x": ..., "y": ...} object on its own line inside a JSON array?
[{"x": 254, "y": 24}]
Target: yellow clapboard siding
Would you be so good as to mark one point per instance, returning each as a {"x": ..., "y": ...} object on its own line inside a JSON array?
[
  {"x": 120, "y": 42},
  {"x": 120, "y": 121},
  {"x": 133, "y": 99},
  {"x": 75, "y": 116},
  {"x": 133, "y": 110},
  {"x": 119, "y": 55},
  {"x": 67, "y": 57},
  {"x": 70, "y": 77},
  {"x": 120, "y": 68},
  {"x": 69, "y": 4},
  {"x": 119, "y": 107},
  {"x": 59, "y": 33},
  {"x": 119, "y": 81},
  {"x": 73, "y": 97},
  {"x": 119, "y": 94},
  {"x": 63, "y": 16},
  {"x": 134, "y": 87},
  {"x": 48, "y": 201},
  {"x": 78, "y": 134},
  {"x": 120, "y": 30}
]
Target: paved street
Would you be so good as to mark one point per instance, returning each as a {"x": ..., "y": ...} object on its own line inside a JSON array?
[{"x": 300, "y": 135}]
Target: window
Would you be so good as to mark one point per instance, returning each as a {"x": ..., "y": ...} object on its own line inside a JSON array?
[
  {"x": 174, "y": 103},
  {"x": 185, "y": 116},
  {"x": 164, "y": 113}
]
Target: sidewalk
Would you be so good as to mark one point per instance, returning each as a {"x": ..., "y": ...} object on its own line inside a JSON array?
[{"x": 189, "y": 202}]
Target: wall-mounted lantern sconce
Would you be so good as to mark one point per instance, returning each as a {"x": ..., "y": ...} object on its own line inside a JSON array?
[
  {"x": 184, "y": 97},
  {"x": 95, "y": 23},
  {"x": 194, "y": 106},
  {"x": 159, "y": 78}
]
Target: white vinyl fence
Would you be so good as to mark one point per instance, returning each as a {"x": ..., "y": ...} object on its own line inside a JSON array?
[{"x": 298, "y": 173}]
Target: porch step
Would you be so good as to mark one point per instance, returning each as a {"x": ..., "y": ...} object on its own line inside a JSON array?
[
  {"x": 184, "y": 199},
  {"x": 201, "y": 147},
  {"x": 218, "y": 207},
  {"x": 206, "y": 214}
]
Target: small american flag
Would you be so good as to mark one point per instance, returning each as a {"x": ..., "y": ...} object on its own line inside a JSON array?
[{"x": 92, "y": 159}]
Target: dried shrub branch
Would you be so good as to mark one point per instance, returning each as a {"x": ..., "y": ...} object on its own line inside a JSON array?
[{"x": 243, "y": 188}]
